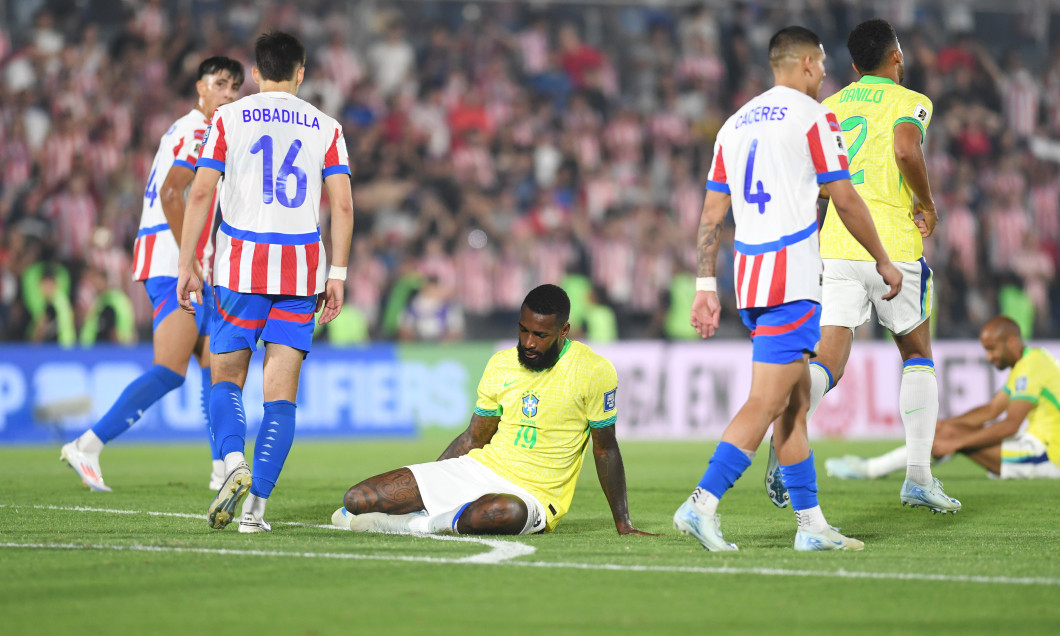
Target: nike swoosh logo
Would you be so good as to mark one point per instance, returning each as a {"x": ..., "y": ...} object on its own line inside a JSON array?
[
  {"x": 507, "y": 384},
  {"x": 915, "y": 410}
]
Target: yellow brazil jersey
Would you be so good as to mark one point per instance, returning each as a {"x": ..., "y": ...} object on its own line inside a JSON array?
[
  {"x": 868, "y": 110},
  {"x": 1036, "y": 379},
  {"x": 545, "y": 420}
]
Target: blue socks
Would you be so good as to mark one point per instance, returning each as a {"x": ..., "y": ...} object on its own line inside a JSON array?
[
  {"x": 272, "y": 446},
  {"x": 801, "y": 480},
  {"x": 726, "y": 466},
  {"x": 227, "y": 417},
  {"x": 135, "y": 399},
  {"x": 207, "y": 383}
]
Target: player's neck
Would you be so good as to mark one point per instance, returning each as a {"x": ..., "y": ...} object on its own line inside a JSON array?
[
  {"x": 888, "y": 73},
  {"x": 269, "y": 86}
]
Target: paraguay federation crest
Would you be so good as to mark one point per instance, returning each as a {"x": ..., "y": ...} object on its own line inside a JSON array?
[{"x": 530, "y": 403}]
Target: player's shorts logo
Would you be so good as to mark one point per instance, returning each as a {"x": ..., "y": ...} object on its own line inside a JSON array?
[{"x": 530, "y": 403}]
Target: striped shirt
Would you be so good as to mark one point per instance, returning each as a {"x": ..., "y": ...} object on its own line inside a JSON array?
[{"x": 275, "y": 151}]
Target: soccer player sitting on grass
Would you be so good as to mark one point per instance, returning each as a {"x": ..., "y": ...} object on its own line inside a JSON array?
[
  {"x": 513, "y": 471},
  {"x": 1030, "y": 393}
]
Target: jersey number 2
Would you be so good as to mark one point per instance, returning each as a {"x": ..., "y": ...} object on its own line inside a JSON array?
[
  {"x": 850, "y": 123},
  {"x": 278, "y": 186},
  {"x": 759, "y": 197}
]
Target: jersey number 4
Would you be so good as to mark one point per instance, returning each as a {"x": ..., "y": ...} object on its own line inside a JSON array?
[
  {"x": 759, "y": 197},
  {"x": 850, "y": 123},
  {"x": 278, "y": 186}
]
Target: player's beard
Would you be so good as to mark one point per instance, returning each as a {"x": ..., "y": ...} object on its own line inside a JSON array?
[{"x": 544, "y": 360}]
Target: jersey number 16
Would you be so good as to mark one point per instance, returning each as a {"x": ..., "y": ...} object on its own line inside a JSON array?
[{"x": 278, "y": 186}]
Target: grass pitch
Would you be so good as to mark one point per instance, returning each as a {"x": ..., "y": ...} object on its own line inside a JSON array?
[{"x": 143, "y": 560}]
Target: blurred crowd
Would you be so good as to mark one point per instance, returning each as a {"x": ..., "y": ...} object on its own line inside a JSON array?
[{"x": 500, "y": 145}]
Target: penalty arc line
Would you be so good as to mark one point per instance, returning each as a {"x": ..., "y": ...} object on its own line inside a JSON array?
[{"x": 503, "y": 552}]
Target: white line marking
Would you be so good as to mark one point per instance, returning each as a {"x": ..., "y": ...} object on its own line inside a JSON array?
[
  {"x": 502, "y": 553},
  {"x": 499, "y": 552}
]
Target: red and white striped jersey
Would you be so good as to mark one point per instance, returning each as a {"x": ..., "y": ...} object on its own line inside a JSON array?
[
  {"x": 156, "y": 249},
  {"x": 275, "y": 151},
  {"x": 771, "y": 157}
]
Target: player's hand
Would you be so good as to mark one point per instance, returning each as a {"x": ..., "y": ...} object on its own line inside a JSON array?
[
  {"x": 189, "y": 287},
  {"x": 892, "y": 277},
  {"x": 706, "y": 313},
  {"x": 925, "y": 218},
  {"x": 331, "y": 300}
]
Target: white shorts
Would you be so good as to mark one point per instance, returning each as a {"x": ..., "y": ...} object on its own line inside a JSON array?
[
  {"x": 1023, "y": 457},
  {"x": 451, "y": 483},
  {"x": 850, "y": 287}
]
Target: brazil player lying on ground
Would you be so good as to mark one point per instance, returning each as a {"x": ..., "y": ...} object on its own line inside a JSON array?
[
  {"x": 514, "y": 470},
  {"x": 1030, "y": 393}
]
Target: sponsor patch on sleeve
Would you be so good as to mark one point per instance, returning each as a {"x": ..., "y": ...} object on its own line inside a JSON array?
[
  {"x": 921, "y": 112},
  {"x": 610, "y": 400},
  {"x": 840, "y": 143},
  {"x": 1021, "y": 384}
]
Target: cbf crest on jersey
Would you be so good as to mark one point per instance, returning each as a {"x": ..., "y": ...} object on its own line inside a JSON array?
[{"x": 530, "y": 403}]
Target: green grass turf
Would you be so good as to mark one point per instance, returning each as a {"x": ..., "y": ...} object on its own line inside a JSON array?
[{"x": 1007, "y": 529}]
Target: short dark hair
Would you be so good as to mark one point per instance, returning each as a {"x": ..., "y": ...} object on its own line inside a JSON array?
[
  {"x": 869, "y": 42},
  {"x": 789, "y": 40},
  {"x": 549, "y": 300},
  {"x": 218, "y": 63},
  {"x": 278, "y": 56}
]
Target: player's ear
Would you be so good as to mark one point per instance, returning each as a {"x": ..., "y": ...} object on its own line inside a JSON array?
[{"x": 256, "y": 74}]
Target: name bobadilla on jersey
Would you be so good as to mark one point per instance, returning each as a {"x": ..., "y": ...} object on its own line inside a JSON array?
[{"x": 281, "y": 115}]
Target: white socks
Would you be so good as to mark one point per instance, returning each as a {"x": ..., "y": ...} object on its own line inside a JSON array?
[
  {"x": 918, "y": 400},
  {"x": 255, "y": 505},
  {"x": 818, "y": 387},
  {"x": 811, "y": 519},
  {"x": 89, "y": 443},
  {"x": 704, "y": 502},
  {"x": 232, "y": 460}
]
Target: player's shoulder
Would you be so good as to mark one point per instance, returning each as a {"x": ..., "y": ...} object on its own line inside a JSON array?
[
  {"x": 588, "y": 359},
  {"x": 1038, "y": 357},
  {"x": 503, "y": 359}
]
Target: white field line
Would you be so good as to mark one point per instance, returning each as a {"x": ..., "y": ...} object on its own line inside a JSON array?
[{"x": 502, "y": 553}]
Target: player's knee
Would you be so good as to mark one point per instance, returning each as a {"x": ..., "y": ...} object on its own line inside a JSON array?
[
  {"x": 494, "y": 514},
  {"x": 355, "y": 501}
]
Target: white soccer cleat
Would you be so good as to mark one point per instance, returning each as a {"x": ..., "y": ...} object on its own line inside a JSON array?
[
  {"x": 775, "y": 488},
  {"x": 231, "y": 492},
  {"x": 85, "y": 465},
  {"x": 930, "y": 496},
  {"x": 707, "y": 529},
  {"x": 827, "y": 539},
  {"x": 341, "y": 518},
  {"x": 249, "y": 524},
  {"x": 847, "y": 467}
]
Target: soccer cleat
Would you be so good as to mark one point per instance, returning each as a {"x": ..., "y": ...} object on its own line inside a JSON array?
[
  {"x": 248, "y": 524},
  {"x": 706, "y": 529},
  {"x": 231, "y": 492},
  {"x": 827, "y": 539},
  {"x": 341, "y": 518},
  {"x": 775, "y": 488},
  {"x": 930, "y": 496},
  {"x": 847, "y": 467},
  {"x": 85, "y": 465}
]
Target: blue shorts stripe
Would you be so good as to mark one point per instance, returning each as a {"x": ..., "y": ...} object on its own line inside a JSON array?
[
  {"x": 925, "y": 280},
  {"x": 274, "y": 238}
]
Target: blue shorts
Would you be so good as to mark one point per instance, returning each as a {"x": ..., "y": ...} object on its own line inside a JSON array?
[
  {"x": 162, "y": 290},
  {"x": 243, "y": 319},
  {"x": 783, "y": 333}
]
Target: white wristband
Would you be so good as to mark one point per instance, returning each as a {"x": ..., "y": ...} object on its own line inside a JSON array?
[
  {"x": 338, "y": 273},
  {"x": 708, "y": 283}
]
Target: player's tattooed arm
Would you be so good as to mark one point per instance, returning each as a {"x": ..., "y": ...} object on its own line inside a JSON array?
[
  {"x": 612, "y": 474},
  {"x": 478, "y": 433},
  {"x": 708, "y": 239}
]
